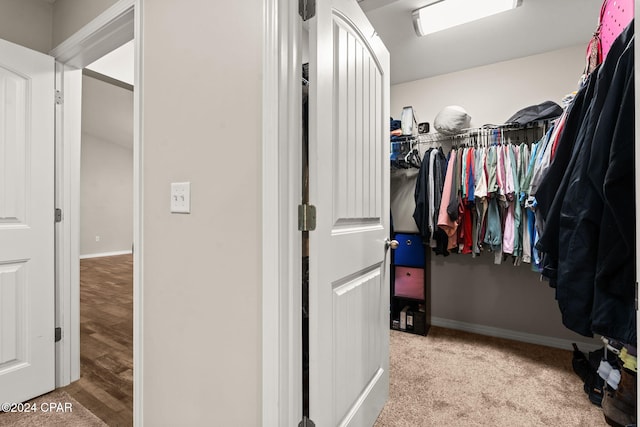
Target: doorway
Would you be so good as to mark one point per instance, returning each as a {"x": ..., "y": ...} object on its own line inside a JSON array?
[
  {"x": 115, "y": 27},
  {"x": 105, "y": 386},
  {"x": 93, "y": 40},
  {"x": 294, "y": 82}
]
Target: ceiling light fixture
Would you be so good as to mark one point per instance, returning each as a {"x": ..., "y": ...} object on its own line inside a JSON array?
[{"x": 443, "y": 14}]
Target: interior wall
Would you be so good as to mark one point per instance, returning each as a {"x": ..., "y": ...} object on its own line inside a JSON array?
[
  {"x": 71, "y": 15},
  {"x": 106, "y": 197},
  {"x": 27, "y": 23},
  {"x": 106, "y": 188},
  {"x": 474, "y": 290},
  {"x": 492, "y": 93},
  {"x": 201, "y": 123}
]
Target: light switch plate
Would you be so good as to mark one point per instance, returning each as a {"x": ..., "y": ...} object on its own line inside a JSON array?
[{"x": 181, "y": 197}]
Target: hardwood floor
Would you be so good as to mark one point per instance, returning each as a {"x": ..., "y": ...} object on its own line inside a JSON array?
[{"x": 106, "y": 339}]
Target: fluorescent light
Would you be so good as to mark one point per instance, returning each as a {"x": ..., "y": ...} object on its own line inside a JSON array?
[{"x": 444, "y": 14}]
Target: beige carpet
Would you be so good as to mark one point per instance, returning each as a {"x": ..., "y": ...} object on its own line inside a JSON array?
[
  {"x": 452, "y": 378},
  {"x": 55, "y": 409}
]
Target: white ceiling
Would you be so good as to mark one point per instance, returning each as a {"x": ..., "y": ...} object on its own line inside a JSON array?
[
  {"x": 535, "y": 27},
  {"x": 118, "y": 64}
]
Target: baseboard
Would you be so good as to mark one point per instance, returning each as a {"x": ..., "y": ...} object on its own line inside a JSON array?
[
  {"x": 513, "y": 335},
  {"x": 103, "y": 254}
]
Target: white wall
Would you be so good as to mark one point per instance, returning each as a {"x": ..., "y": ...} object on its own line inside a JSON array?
[
  {"x": 41, "y": 26},
  {"x": 27, "y": 23},
  {"x": 106, "y": 204},
  {"x": 202, "y": 272},
  {"x": 492, "y": 93},
  {"x": 71, "y": 15},
  {"x": 476, "y": 291},
  {"x": 106, "y": 188}
]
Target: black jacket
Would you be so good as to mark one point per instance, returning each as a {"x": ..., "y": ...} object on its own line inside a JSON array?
[
  {"x": 552, "y": 188},
  {"x": 422, "y": 197},
  {"x": 582, "y": 234},
  {"x": 611, "y": 171}
]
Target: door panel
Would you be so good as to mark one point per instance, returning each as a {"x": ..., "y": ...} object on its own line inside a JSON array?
[
  {"x": 349, "y": 184},
  {"x": 13, "y": 145},
  {"x": 358, "y": 80},
  {"x": 12, "y": 297},
  {"x": 357, "y": 341},
  {"x": 26, "y": 223}
]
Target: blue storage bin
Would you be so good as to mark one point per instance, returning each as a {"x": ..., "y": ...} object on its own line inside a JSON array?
[{"x": 410, "y": 251}]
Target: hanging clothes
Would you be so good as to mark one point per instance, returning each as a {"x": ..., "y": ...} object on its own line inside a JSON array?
[
  {"x": 447, "y": 217},
  {"x": 552, "y": 189},
  {"x": 462, "y": 211},
  {"x": 493, "y": 229},
  {"x": 508, "y": 238},
  {"x": 477, "y": 199},
  {"x": 480, "y": 198},
  {"x": 428, "y": 197},
  {"x": 590, "y": 224},
  {"x": 468, "y": 201}
]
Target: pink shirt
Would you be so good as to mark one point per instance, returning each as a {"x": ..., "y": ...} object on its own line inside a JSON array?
[{"x": 444, "y": 221}]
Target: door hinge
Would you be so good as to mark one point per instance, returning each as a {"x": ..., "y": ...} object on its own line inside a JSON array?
[
  {"x": 58, "y": 215},
  {"x": 58, "y": 334},
  {"x": 307, "y": 9},
  {"x": 306, "y": 217},
  {"x": 59, "y": 98},
  {"x": 306, "y": 422}
]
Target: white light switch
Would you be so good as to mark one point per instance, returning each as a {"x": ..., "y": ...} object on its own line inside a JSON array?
[{"x": 180, "y": 197}]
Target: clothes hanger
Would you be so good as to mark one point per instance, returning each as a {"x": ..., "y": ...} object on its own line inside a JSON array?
[
  {"x": 417, "y": 160},
  {"x": 412, "y": 158}
]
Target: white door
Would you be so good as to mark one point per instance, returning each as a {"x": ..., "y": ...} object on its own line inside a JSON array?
[
  {"x": 27, "y": 98},
  {"x": 349, "y": 184}
]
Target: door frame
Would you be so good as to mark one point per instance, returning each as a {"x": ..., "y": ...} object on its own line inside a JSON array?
[
  {"x": 281, "y": 247},
  {"x": 281, "y": 193},
  {"x": 115, "y": 26}
]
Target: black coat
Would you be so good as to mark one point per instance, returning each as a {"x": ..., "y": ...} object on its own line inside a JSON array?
[
  {"x": 611, "y": 171},
  {"x": 553, "y": 187},
  {"x": 590, "y": 221}
]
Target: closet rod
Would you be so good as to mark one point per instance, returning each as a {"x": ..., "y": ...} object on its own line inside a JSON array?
[{"x": 471, "y": 132}]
